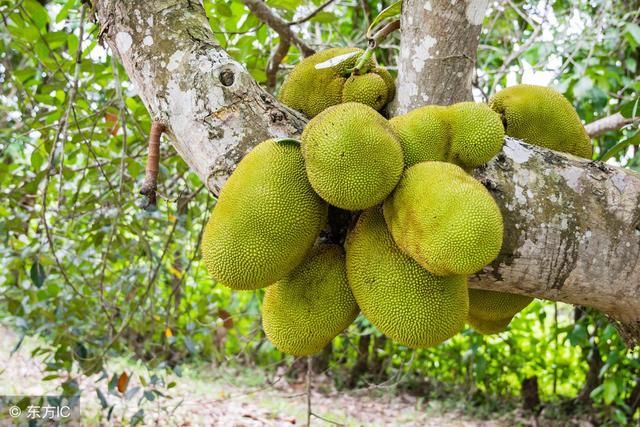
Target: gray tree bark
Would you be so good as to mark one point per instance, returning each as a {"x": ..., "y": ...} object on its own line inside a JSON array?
[{"x": 572, "y": 227}]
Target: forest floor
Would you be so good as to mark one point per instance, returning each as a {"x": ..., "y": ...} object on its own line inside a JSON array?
[{"x": 207, "y": 397}]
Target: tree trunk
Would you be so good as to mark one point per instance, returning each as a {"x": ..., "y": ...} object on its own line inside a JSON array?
[
  {"x": 572, "y": 227},
  {"x": 437, "y": 52}
]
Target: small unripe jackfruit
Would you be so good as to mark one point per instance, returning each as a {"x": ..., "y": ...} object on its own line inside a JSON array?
[
  {"x": 389, "y": 81},
  {"x": 423, "y": 134},
  {"x": 541, "y": 116},
  {"x": 399, "y": 297},
  {"x": 311, "y": 90},
  {"x": 490, "y": 312},
  {"x": 353, "y": 158},
  {"x": 444, "y": 219},
  {"x": 468, "y": 134},
  {"x": 266, "y": 219},
  {"x": 304, "y": 311},
  {"x": 369, "y": 89},
  {"x": 477, "y": 134}
]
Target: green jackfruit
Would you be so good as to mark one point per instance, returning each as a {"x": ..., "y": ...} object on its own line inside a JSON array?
[
  {"x": 423, "y": 134},
  {"x": 266, "y": 219},
  {"x": 477, "y": 134},
  {"x": 389, "y": 81},
  {"x": 304, "y": 311},
  {"x": 468, "y": 134},
  {"x": 444, "y": 219},
  {"x": 312, "y": 90},
  {"x": 369, "y": 89},
  {"x": 541, "y": 116},
  {"x": 399, "y": 297},
  {"x": 353, "y": 158},
  {"x": 490, "y": 312}
]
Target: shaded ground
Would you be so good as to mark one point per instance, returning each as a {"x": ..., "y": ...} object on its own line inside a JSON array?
[{"x": 204, "y": 397}]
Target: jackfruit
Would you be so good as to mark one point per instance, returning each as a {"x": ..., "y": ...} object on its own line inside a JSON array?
[
  {"x": 388, "y": 80},
  {"x": 304, "y": 311},
  {"x": 477, "y": 134},
  {"x": 312, "y": 90},
  {"x": 541, "y": 116},
  {"x": 369, "y": 89},
  {"x": 266, "y": 219},
  {"x": 490, "y": 312},
  {"x": 399, "y": 297},
  {"x": 468, "y": 134},
  {"x": 423, "y": 134},
  {"x": 444, "y": 219},
  {"x": 352, "y": 156}
]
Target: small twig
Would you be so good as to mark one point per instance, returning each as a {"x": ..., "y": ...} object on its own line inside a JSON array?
[
  {"x": 150, "y": 184},
  {"x": 312, "y": 14},
  {"x": 383, "y": 32},
  {"x": 609, "y": 123}
]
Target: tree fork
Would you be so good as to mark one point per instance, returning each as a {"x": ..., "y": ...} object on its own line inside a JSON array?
[{"x": 584, "y": 249}]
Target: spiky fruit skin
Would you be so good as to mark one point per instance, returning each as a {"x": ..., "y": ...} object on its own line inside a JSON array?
[
  {"x": 468, "y": 134},
  {"x": 312, "y": 90},
  {"x": 477, "y": 134},
  {"x": 304, "y": 311},
  {"x": 444, "y": 219},
  {"x": 398, "y": 296},
  {"x": 389, "y": 81},
  {"x": 369, "y": 89},
  {"x": 423, "y": 134},
  {"x": 490, "y": 312},
  {"x": 353, "y": 158},
  {"x": 266, "y": 219},
  {"x": 541, "y": 116}
]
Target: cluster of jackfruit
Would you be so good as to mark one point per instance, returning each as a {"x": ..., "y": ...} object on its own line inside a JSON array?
[
  {"x": 425, "y": 225},
  {"x": 328, "y": 78}
]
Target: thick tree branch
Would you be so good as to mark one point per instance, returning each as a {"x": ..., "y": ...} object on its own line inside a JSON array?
[
  {"x": 572, "y": 226},
  {"x": 610, "y": 123}
]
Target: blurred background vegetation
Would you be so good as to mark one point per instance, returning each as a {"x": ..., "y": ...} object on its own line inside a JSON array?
[{"x": 85, "y": 267}]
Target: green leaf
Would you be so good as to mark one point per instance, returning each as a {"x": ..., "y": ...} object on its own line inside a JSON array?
[
  {"x": 37, "y": 274},
  {"x": 609, "y": 391},
  {"x": 631, "y": 109},
  {"x": 391, "y": 11},
  {"x": 37, "y": 13},
  {"x": 102, "y": 399},
  {"x": 622, "y": 145},
  {"x": 633, "y": 30}
]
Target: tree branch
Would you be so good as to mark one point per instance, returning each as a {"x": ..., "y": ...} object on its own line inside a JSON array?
[
  {"x": 572, "y": 226},
  {"x": 437, "y": 52},
  {"x": 262, "y": 12},
  {"x": 609, "y": 123},
  {"x": 312, "y": 14}
]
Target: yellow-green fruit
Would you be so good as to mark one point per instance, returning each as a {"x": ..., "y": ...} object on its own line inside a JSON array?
[
  {"x": 266, "y": 219},
  {"x": 477, "y": 134},
  {"x": 399, "y": 297},
  {"x": 388, "y": 80},
  {"x": 312, "y": 90},
  {"x": 444, "y": 219},
  {"x": 423, "y": 133},
  {"x": 541, "y": 116},
  {"x": 304, "y": 311},
  {"x": 352, "y": 156},
  {"x": 369, "y": 89},
  {"x": 490, "y": 312}
]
